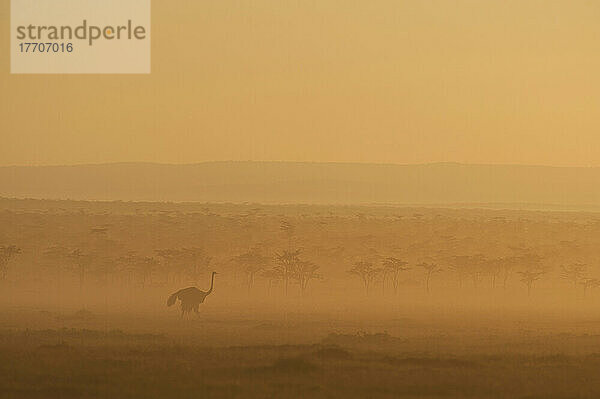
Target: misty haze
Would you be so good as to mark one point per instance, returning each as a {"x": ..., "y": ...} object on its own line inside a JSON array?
[
  {"x": 373, "y": 199},
  {"x": 312, "y": 183},
  {"x": 307, "y": 300}
]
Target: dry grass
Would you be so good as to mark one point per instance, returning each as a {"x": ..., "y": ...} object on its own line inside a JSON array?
[{"x": 87, "y": 363}]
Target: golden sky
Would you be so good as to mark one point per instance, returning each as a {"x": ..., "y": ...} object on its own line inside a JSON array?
[{"x": 367, "y": 81}]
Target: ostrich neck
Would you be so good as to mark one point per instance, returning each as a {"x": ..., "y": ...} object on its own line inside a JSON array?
[{"x": 212, "y": 282}]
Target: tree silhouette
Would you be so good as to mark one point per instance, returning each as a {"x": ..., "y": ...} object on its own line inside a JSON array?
[
  {"x": 140, "y": 267},
  {"x": 145, "y": 266},
  {"x": 366, "y": 272},
  {"x": 252, "y": 262},
  {"x": 303, "y": 272},
  {"x": 458, "y": 265},
  {"x": 574, "y": 273},
  {"x": 394, "y": 266},
  {"x": 430, "y": 269},
  {"x": 476, "y": 267},
  {"x": 507, "y": 266},
  {"x": 173, "y": 262},
  {"x": 588, "y": 282},
  {"x": 6, "y": 254},
  {"x": 494, "y": 270},
  {"x": 530, "y": 276},
  {"x": 106, "y": 269},
  {"x": 471, "y": 265},
  {"x": 273, "y": 276},
  {"x": 286, "y": 263},
  {"x": 197, "y": 262}
]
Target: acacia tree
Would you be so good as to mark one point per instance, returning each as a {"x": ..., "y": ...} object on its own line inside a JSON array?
[
  {"x": 252, "y": 262},
  {"x": 366, "y": 272},
  {"x": 173, "y": 262},
  {"x": 394, "y": 266},
  {"x": 139, "y": 267},
  {"x": 146, "y": 267},
  {"x": 530, "y": 276},
  {"x": 105, "y": 269},
  {"x": 197, "y": 262},
  {"x": 6, "y": 254},
  {"x": 510, "y": 263},
  {"x": 468, "y": 265},
  {"x": 304, "y": 272},
  {"x": 507, "y": 266},
  {"x": 286, "y": 262},
  {"x": 475, "y": 265},
  {"x": 458, "y": 265},
  {"x": 574, "y": 273},
  {"x": 125, "y": 266},
  {"x": 494, "y": 270},
  {"x": 588, "y": 282},
  {"x": 430, "y": 269},
  {"x": 273, "y": 276}
]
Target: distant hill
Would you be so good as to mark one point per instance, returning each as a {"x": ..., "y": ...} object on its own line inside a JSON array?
[{"x": 303, "y": 182}]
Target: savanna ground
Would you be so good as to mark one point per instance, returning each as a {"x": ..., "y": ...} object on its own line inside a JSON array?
[
  {"x": 81, "y": 354},
  {"x": 81, "y": 316}
]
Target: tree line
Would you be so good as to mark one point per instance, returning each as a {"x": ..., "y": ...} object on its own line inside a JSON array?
[{"x": 290, "y": 267}]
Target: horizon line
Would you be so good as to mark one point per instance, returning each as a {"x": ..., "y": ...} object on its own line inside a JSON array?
[{"x": 454, "y": 163}]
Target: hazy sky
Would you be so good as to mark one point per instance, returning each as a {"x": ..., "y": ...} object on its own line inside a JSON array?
[{"x": 367, "y": 81}]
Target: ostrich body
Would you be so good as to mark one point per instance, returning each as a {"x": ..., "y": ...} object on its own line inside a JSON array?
[{"x": 191, "y": 297}]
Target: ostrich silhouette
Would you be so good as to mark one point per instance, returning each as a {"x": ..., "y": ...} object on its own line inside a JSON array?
[{"x": 191, "y": 297}]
